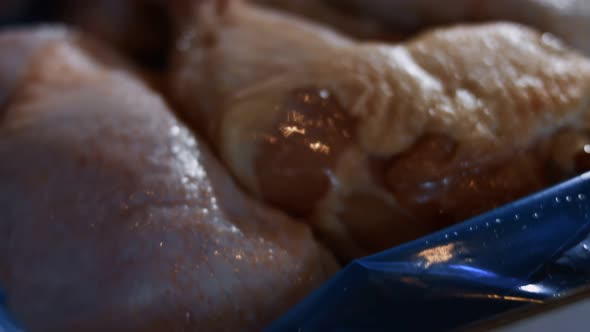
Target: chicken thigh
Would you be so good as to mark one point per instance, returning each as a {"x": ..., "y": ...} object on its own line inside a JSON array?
[
  {"x": 377, "y": 144},
  {"x": 114, "y": 217}
]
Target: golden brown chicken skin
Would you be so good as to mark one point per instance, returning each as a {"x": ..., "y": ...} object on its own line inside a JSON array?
[
  {"x": 114, "y": 217},
  {"x": 377, "y": 144}
]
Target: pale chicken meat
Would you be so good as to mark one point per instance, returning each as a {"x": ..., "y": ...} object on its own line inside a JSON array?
[
  {"x": 376, "y": 144},
  {"x": 115, "y": 217},
  {"x": 568, "y": 19}
]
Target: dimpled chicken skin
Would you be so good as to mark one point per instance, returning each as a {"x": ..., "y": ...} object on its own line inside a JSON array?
[
  {"x": 114, "y": 217},
  {"x": 374, "y": 143}
]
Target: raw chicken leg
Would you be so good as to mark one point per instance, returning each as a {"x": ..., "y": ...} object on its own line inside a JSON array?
[
  {"x": 377, "y": 144},
  {"x": 114, "y": 217}
]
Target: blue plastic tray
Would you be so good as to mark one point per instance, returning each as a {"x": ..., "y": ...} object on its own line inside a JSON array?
[{"x": 522, "y": 254}]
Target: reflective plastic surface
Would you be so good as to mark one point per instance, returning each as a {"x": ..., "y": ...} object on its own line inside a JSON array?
[{"x": 519, "y": 255}]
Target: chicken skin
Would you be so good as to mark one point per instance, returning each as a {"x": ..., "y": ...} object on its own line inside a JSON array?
[
  {"x": 115, "y": 217},
  {"x": 375, "y": 144},
  {"x": 568, "y": 19}
]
